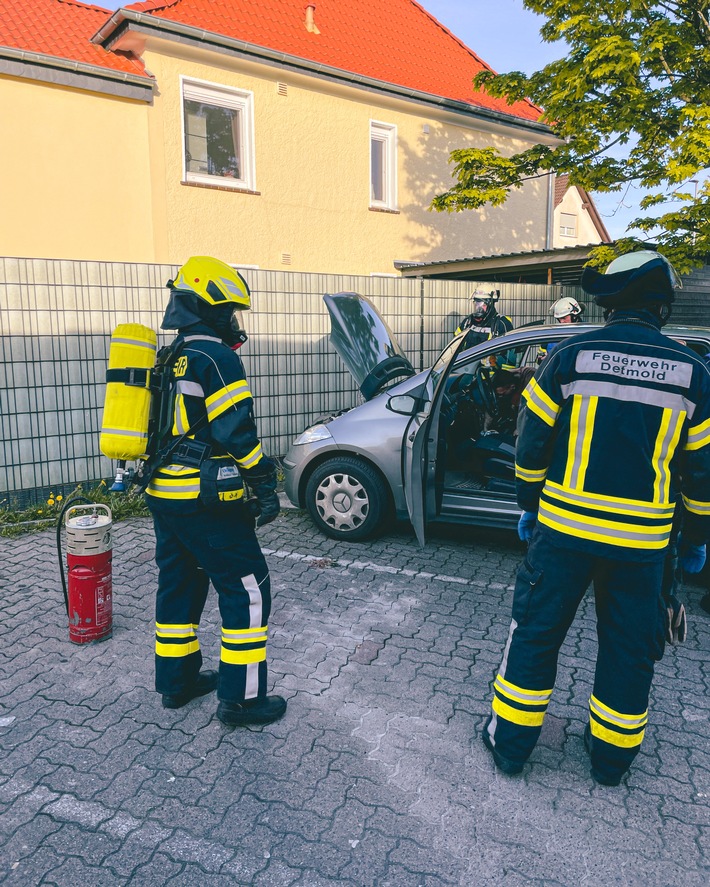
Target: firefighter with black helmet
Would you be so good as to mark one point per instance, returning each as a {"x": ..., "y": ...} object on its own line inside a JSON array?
[
  {"x": 484, "y": 322},
  {"x": 203, "y": 526},
  {"x": 614, "y": 428}
]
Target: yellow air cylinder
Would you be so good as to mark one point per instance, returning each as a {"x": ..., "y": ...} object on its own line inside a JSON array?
[{"x": 124, "y": 428}]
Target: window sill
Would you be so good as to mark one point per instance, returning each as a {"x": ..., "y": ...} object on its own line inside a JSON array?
[
  {"x": 383, "y": 209},
  {"x": 215, "y": 187}
]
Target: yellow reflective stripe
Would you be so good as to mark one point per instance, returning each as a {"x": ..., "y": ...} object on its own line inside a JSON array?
[
  {"x": 584, "y": 410},
  {"x": 621, "y": 740},
  {"x": 226, "y": 397},
  {"x": 592, "y": 403},
  {"x": 180, "y": 626},
  {"x": 698, "y": 436},
  {"x": 524, "y": 718},
  {"x": 180, "y": 420},
  {"x": 617, "y": 717},
  {"x": 179, "y": 471},
  {"x": 696, "y": 506},
  {"x": 530, "y": 474},
  {"x": 665, "y": 446},
  {"x": 544, "y": 396},
  {"x": 540, "y": 403},
  {"x": 159, "y": 494},
  {"x": 243, "y": 657},
  {"x": 244, "y": 635},
  {"x": 251, "y": 459},
  {"x": 521, "y": 694},
  {"x": 625, "y": 535},
  {"x": 607, "y": 503},
  {"x": 610, "y": 524},
  {"x": 175, "y": 651}
]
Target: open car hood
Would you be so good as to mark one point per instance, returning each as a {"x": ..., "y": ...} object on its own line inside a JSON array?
[{"x": 365, "y": 343}]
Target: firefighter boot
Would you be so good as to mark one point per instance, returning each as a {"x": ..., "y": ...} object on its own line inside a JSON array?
[
  {"x": 205, "y": 683},
  {"x": 252, "y": 711},
  {"x": 505, "y": 765},
  {"x": 601, "y": 778}
]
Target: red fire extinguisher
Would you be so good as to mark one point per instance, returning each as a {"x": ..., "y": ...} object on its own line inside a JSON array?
[{"x": 89, "y": 599}]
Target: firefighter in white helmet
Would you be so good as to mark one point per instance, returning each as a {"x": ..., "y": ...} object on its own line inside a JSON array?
[
  {"x": 204, "y": 526},
  {"x": 484, "y": 322},
  {"x": 567, "y": 310}
]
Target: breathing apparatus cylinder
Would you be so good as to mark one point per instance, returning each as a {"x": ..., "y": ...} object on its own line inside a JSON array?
[
  {"x": 89, "y": 555},
  {"x": 124, "y": 428}
]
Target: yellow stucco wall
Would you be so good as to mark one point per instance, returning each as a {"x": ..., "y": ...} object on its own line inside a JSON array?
[
  {"x": 312, "y": 159},
  {"x": 74, "y": 179}
]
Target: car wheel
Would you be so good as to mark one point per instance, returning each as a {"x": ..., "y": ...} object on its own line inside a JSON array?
[{"x": 346, "y": 498}]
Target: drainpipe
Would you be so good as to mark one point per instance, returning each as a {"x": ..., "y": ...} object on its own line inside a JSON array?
[{"x": 550, "y": 210}]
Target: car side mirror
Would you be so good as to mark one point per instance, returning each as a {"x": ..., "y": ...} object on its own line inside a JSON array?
[{"x": 404, "y": 404}]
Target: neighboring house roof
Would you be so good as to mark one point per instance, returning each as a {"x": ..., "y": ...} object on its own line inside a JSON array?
[
  {"x": 61, "y": 29},
  {"x": 562, "y": 185},
  {"x": 397, "y": 42}
]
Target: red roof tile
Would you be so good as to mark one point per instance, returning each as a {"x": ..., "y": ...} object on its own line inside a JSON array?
[
  {"x": 396, "y": 41},
  {"x": 61, "y": 28}
]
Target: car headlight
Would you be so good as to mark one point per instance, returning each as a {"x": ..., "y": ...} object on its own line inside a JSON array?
[{"x": 311, "y": 435}]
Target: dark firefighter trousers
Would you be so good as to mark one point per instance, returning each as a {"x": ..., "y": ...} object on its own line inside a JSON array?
[
  {"x": 217, "y": 543},
  {"x": 630, "y": 632}
]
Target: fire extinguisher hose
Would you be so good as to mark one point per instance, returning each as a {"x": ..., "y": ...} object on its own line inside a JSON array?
[{"x": 67, "y": 504}]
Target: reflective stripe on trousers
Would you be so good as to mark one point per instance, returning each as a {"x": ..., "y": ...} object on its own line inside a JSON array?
[{"x": 550, "y": 585}]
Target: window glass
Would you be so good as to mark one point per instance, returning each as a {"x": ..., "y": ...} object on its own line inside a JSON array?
[
  {"x": 218, "y": 135},
  {"x": 212, "y": 142},
  {"x": 568, "y": 224},
  {"x": 383, "y": 165},
  {"x": 377, "y": 169}
]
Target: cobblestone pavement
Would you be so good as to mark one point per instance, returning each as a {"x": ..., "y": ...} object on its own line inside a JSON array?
[{"x": 376, "y": 775}]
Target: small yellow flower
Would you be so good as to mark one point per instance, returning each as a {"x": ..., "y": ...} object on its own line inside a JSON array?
[
  {"x": 50, "y": 501},
  {"x": 59, "y": 498}
]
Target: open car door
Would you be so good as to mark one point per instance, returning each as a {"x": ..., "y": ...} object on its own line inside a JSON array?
[{"x": 421, "y": 441}]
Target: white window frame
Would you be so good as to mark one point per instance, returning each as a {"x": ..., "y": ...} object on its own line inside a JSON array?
[
  {"x": 565, "y": 230},
  {"x": 224, "y": 97},
  {"x": 387, "y": 134}
]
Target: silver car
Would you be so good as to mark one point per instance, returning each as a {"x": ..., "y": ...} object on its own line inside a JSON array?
[{"x": 432, "y": 446}]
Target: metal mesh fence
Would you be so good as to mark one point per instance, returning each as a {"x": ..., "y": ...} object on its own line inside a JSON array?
[{"x": 56, "y": 319}]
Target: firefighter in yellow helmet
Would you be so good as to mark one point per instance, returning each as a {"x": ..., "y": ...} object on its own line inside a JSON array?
[
  {"x": 204, "y": 527},
  {"x": 614, "y": 429}
]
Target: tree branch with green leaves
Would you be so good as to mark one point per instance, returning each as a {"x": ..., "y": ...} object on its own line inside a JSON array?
[{"x": 629, "y": 103}]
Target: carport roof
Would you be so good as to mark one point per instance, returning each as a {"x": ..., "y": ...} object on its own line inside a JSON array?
[{"x": 563, "y": 266}]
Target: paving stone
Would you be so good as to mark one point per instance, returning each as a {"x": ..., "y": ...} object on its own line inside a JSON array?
[{"x": 376, "y": 776}]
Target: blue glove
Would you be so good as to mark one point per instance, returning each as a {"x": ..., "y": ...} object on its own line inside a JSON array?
[
  {"x": 692, "y": 557},
  {"x": 526, "y": 525}
]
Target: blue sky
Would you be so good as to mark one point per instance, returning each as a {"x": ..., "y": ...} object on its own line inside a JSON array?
[{"x": 506, "y": 36}]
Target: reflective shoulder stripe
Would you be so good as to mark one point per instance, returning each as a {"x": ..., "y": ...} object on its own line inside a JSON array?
[{"x": 541, "y": 403}]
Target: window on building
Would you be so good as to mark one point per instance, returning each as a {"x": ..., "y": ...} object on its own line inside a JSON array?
[
  {"x": 383, "y": 165},
  {"x": 218, "y": 135},
  {"x": 568, "y": 224}
]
